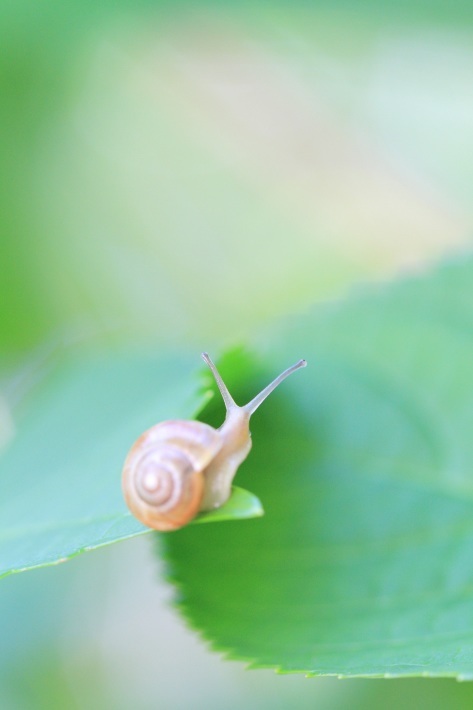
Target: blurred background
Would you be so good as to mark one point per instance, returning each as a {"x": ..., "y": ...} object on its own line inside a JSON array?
[{"x": 180, "y": 174}]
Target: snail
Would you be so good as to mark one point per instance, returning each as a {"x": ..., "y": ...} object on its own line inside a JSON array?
[{"x": 179, "y": 468}]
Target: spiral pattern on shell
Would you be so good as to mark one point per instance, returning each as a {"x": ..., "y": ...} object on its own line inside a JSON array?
[
  {"x": 161, "y": 487},
  {"x": 163, "y": 474}
]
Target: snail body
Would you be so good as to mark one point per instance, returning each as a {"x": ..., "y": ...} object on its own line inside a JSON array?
[{"x": 178, "y": 468}]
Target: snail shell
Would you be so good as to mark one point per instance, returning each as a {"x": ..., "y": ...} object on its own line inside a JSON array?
[{"x": 163, "y": 480}]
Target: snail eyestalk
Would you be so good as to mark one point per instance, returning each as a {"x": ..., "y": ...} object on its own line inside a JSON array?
[
  {"x": 255, "y": 403},
  {"x": 227, "y": 397}
]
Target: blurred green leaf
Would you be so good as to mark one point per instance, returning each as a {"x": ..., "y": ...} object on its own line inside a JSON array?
[
  {"x": 60, "y": 491},
  {"x": 363, "y": 563}
]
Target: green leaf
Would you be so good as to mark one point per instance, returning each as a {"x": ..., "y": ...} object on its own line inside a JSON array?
[
  {"x": 363, "y": 563},
  {"x": 60, "y": 479},
  {"x": 241, "y": 505}
]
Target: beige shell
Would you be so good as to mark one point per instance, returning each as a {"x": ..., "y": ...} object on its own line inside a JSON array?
[{"x": 162, "y": 482}]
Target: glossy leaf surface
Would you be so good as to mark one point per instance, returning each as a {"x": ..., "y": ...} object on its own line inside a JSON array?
[{"x": 363, "y": 563}]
